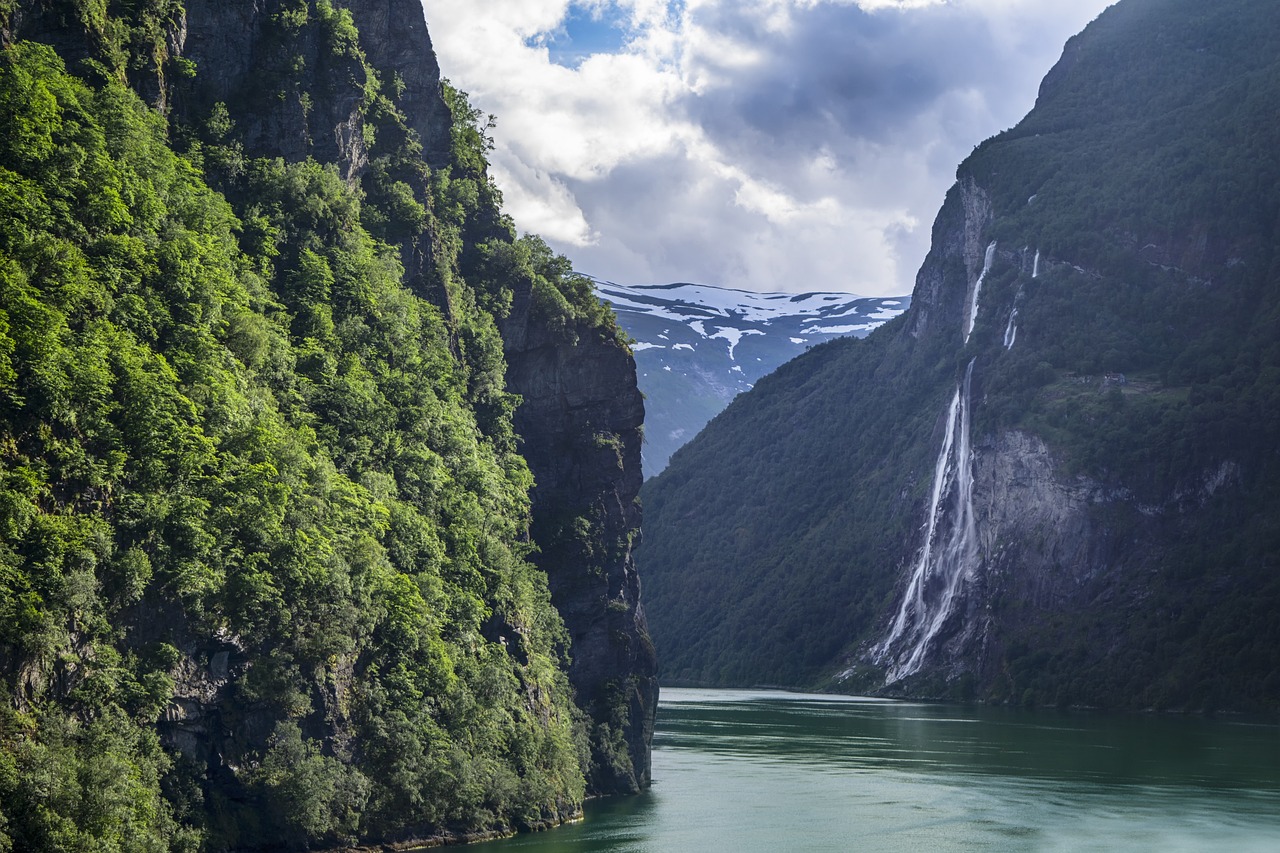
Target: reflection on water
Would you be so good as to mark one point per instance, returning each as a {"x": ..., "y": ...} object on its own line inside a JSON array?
[{"x": 748, "y": 771}]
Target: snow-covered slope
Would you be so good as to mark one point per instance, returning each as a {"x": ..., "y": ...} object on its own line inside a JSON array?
[{"x": 697, "y": 346}]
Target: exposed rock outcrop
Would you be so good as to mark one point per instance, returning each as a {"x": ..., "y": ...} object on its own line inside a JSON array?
[
  {"x": 394, "y": 37},
  {"x": 582, "y": 440},
  {"x": 954, "y": 260},
  {"x": 293, "y": 96}
]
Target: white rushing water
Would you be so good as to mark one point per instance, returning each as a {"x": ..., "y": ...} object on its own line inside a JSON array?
[
  {"x": 977, "y": 289},
  {"x": 1035, "y": 267},
  {"x": 1011, "y": 331},
  {"x": 949, "y": 554}
]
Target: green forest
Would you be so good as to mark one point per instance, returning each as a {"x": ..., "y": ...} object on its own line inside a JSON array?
[
  {"x": 228, "y": 425},
  {"x": 1148, "y": 180}
]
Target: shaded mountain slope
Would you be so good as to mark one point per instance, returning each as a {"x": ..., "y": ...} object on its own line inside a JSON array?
[{"x": 1054, "y": 479}]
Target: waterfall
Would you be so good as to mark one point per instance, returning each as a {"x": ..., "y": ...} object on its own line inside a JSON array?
[
  {"x": 1011, "y": 331},
  {"x": 977, "y": 289},
  {"x": 949, "y": 554},
  {"x": 1035, "y": 267}
]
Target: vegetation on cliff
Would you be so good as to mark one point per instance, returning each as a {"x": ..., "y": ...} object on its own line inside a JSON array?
[
  {"x": 258, "y": 496},
  {"x": 1146, "y": 357}
]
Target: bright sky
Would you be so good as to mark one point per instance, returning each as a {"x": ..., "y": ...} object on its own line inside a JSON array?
[{"x": 759, "y": 144}]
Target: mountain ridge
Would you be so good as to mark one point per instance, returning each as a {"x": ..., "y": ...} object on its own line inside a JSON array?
[
  {"x": 699, "y": 346},
  {"x": 1052, "y": 481}
]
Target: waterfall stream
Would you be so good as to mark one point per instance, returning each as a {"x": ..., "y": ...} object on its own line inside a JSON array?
[
  {"x": 1035, "y": 267},
  {"x": 949, "y": 554},
  {"x": 1011, "y": 330},
  {"x": 977, "y": 290}
]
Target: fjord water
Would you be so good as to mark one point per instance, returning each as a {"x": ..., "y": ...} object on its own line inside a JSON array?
[{"x": 750, "y": 772}]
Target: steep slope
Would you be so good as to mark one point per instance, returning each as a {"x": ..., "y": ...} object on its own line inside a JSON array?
[
  {"x": 281, "y": 564},
  {"x": 1054, "y": 479},
  {"x": 697, "y": 347}
]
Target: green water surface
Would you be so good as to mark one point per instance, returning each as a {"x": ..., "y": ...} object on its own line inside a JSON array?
[{"x": 751, "y": 771}]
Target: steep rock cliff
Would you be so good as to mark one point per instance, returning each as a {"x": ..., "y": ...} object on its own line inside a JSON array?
[
  {"x": 580, "y": 418},
  {"x": 582, "y": 439},
  {"x": 376, "y": 660},
  {"x": 1048, "y": 482}
]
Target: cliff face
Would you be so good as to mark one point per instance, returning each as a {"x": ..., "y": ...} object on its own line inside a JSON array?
[
  {"x": 1043, "y": 484},
  {"x": 582, "y": 439},
  {"x": 581, "y": 415},
  {"x": 292, "y": 97},
  {"x": 1008, "y": 568},
  {"x": 411, "y": 680}
]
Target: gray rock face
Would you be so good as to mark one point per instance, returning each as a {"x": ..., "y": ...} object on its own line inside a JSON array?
[
  {"x": 295, "y": 98},
  {"x": 395, "y": 40},
  {"x": 954, "y": 260},
  {"x": 581, "y": 424},
  {"x": 1038, "y": 541}
]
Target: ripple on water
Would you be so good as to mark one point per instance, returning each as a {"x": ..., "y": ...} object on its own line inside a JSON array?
[{"x": 764, "y": 771}]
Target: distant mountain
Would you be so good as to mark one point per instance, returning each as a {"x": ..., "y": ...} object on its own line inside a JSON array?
[
  {"x": 697, "y": 347},
  {"x": 1056, "y": 479}
]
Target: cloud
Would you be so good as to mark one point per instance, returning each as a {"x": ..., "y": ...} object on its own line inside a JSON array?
[{"x": 760, "y": 144}]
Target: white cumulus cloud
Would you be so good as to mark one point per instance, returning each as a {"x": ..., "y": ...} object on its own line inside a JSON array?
[{"x": 758, "y": 144}]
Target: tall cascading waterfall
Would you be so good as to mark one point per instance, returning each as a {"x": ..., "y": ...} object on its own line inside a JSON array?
[
  {"x": 1035, "y": 266},
  {"x": 950, "y": 553},
  {"x": 977, "y": 290}
]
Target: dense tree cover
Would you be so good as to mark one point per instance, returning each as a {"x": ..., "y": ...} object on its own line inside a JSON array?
[
  {"x": 225, "y": 422},
  {"x": 1147, "y": 178}
]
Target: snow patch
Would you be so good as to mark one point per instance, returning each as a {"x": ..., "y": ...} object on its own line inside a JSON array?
[
  {"x": 840, "y": 330},
  {"x": 680, "y": 301},
  {"x": 733, "y": 336}
]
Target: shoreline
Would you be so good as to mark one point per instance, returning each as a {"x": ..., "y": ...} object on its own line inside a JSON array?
[{"x": 449, "y": 838}]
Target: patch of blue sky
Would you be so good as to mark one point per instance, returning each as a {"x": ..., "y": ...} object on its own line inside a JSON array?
[{"x": 589, "y": 29}]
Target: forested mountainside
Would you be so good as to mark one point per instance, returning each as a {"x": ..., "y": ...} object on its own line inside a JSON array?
[
  {"x": 1056, "y": 479},
  {"x": 317, "y": 485},
  {"x": 697, "y": 347}
]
